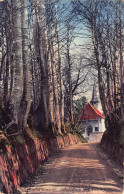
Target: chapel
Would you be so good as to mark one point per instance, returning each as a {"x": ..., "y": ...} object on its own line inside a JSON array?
[{"x": 91, "y": 118}]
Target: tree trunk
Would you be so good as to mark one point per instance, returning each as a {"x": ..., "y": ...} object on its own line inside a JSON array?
[
  {"x": 26, "y": 64},
  {"x": 44, "y": 54},
  {"x": 60, "y": 73},
  {"x": 96, "y": 51},
  {"x": 121, "y": 61},
  {"x": 116, "y": 58},
  {"x": 42, "y": 78},
  {"x": 17, "y": 60},
  {"x": 47, "y": 65},
  {"x": 69, "y": 77},
  {"x": 55, "y": 84},
  {"x": 50, "y": 90}
]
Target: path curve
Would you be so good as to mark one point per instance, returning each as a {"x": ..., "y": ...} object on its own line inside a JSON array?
[{"x": 77, "y": 169}]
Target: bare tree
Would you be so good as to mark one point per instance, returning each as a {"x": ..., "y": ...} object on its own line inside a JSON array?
[
  {"x": 60, "y": 72},
  {"x": 26, "y": 63},
  {"x": 31, "y": 68},
  {"x": 106, "y": 30},
  {"x": 17, "y": 91}
]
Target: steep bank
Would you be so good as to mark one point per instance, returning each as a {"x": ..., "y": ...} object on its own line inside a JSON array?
[
  {"x": 23, "y": 156},
  {"x": 113, "y": 141}
]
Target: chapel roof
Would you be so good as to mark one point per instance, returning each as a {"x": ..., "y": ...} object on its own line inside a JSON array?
[{"x": 89, "y": 112}]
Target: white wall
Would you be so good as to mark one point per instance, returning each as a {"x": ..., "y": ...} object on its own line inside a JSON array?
[
  {"x": 102, "y": 125},
  {"x": 94, "y": 123}
]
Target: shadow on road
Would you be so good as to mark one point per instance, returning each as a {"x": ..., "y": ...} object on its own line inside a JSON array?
[{"x": 78, "y": 169}]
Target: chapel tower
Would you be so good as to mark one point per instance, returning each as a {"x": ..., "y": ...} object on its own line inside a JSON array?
[{"x": 94, "y": 101}]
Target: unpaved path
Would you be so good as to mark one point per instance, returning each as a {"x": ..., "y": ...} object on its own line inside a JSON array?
[{"x": 77, "y": 169}]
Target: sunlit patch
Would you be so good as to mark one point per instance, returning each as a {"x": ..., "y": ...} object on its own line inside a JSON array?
[
  {"x": 77, "y": 187},
  {"x": 70, "y": 162}
]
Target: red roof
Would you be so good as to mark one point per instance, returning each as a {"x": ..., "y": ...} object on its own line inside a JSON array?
[{"x": 89, "y": 112}]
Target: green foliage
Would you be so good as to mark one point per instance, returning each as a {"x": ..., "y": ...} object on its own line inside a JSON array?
[
  {"x": 20, "y": 139},
  {"x": 34, "y": 134},
  {"x": 79, "y": 105},
  {"x": 75, "y": 130}
]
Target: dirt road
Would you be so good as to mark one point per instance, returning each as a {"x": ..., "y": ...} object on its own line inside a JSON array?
[{"x": 77, "y": 169}]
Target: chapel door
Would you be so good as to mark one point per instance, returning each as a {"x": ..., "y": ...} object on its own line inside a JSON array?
[{"x": 89, "y": 130}]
